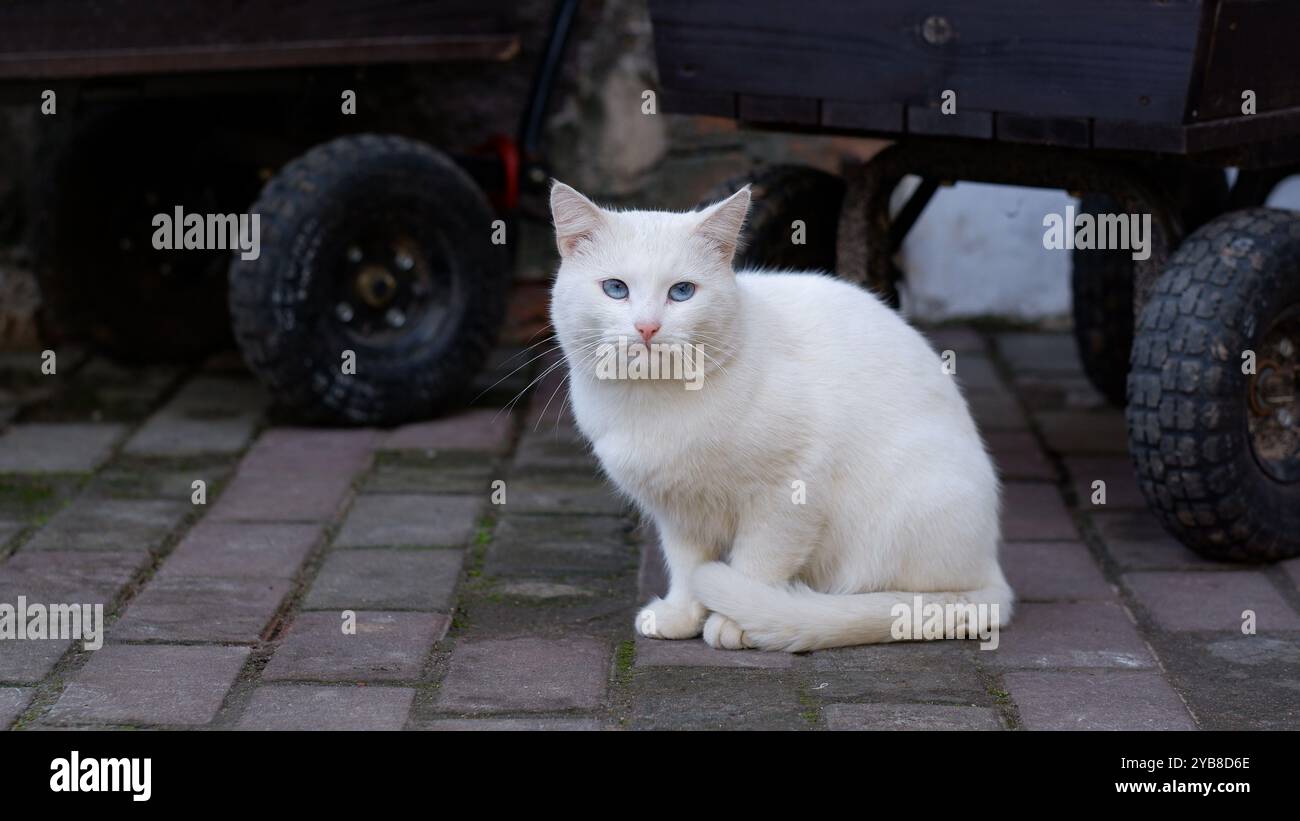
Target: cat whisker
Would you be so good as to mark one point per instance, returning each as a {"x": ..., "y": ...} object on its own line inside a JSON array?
[
  {"x": 715, "y": 362},
  {"x": 551, "y": 338},
  {"x": 513, "y": 372},
  {"x": 526, "y": 364},
  {"x": 542, "y": 415},
  {"x": 567, "y": 403},
  {"x": 510, "y": 405}
]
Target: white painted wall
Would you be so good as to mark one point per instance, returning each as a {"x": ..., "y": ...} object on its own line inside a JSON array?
[
  {"x": 978, "y": 251},
  {"x": 1286, "y": 195}
]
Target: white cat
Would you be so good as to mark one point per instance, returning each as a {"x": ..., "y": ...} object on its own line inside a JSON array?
[{"x": 826, "y": 470}]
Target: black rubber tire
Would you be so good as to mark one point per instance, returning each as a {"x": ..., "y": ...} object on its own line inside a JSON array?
[
  {"x": 782, "y": 194},
  {"x": 1102, "y": 280},
  {"x": 1102, "y": 307},
  {"x": 283, "y": 303},
  {"x": 99, "y": 183},
  {"x": 1188, "y": 404}
]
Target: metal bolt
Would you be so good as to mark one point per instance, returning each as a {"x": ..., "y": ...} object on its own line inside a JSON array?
[
  {"x": 404, "y": 261},
  {"x": 1286, "y": 347},
  {"x": 1284, "y": 417},
  {"x": 936, "y": 30},
  {"x": 344, "y": 311},
  {"x": 354, "y": 254},
  {"x": 395, "y": 317}
]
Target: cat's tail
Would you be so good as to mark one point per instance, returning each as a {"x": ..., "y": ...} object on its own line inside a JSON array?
[{"x": 796, "y": 618}]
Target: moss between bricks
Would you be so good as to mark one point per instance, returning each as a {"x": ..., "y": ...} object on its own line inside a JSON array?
[
  {"x": 475, "y": 558},
  {"x": 86, "y": 403},
  {"x": 33, "y": 500},
  {"x": 624, "y": 659},
  {"x": 22, "y": 493},
  {"x": 477, "y": 555},
  {"x": 1006, "y": 707},
  {"x": 812, "y": 710}
]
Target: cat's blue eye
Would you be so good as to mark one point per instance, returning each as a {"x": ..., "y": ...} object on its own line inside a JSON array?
[
  {"x": 682, "y": 291},
  {"x": 615, "y": 288}
]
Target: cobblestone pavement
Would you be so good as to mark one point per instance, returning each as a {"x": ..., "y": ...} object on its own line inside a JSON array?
[{"x": 235, "y": 613}]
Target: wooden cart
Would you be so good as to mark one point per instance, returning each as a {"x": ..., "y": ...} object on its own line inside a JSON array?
[
  {"x": 376, "y": 249},
  {"x": 1137, "y": 105}
]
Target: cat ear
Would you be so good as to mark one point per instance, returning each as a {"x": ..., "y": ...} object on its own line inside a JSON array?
[
  {"x": 720, "y": 224},
  {"x": 576, "y": 218}
]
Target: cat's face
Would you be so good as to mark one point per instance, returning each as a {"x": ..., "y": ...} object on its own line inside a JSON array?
[{"x": 646, "y": 277}]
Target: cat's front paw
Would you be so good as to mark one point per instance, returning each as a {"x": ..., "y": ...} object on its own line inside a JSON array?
[
  {"x": 661, "y": 619},
  {"x": 724, "y": 634}
]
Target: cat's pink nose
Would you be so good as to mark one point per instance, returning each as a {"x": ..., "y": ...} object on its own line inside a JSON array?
[{"x": 647, "y": 330}]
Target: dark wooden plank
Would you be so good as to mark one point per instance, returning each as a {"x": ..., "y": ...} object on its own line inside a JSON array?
[
  {"x": 1017, "y": 128},
  {"x": 1257, "y": 128},
  {"x": 1200, "y": 138},
  {"x": 102, "y": 63},
  {"x": 68, "y": 37},
  {"x": 711, "y": 103},
  {"x": 1116, "y": 59},
  {"x": 1252, "y": 45},
  {"x": 843, "y": 114},
  {"x": 73, "y": 25},
  {"x": 963, "y": 123},
  {"x": 1262, "y": 155},
  {"x": 791, "y": 110},
  {"x": 1132, "y": 136}
]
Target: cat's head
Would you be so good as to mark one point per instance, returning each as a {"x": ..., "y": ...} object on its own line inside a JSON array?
[{"x": 644, "y": 276}]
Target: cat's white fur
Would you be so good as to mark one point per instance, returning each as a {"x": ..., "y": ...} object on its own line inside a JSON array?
[{"x": 810, "y": 380}]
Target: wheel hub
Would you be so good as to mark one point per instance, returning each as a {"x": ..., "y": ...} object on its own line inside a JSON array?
[
  {"x": 377, "y": 285},
  {"x": 385, "y": 286},
  {"x": 1273, "y": 395}
]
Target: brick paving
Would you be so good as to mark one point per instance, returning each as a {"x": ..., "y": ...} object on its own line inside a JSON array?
[{"x": 361, "y": 579}]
